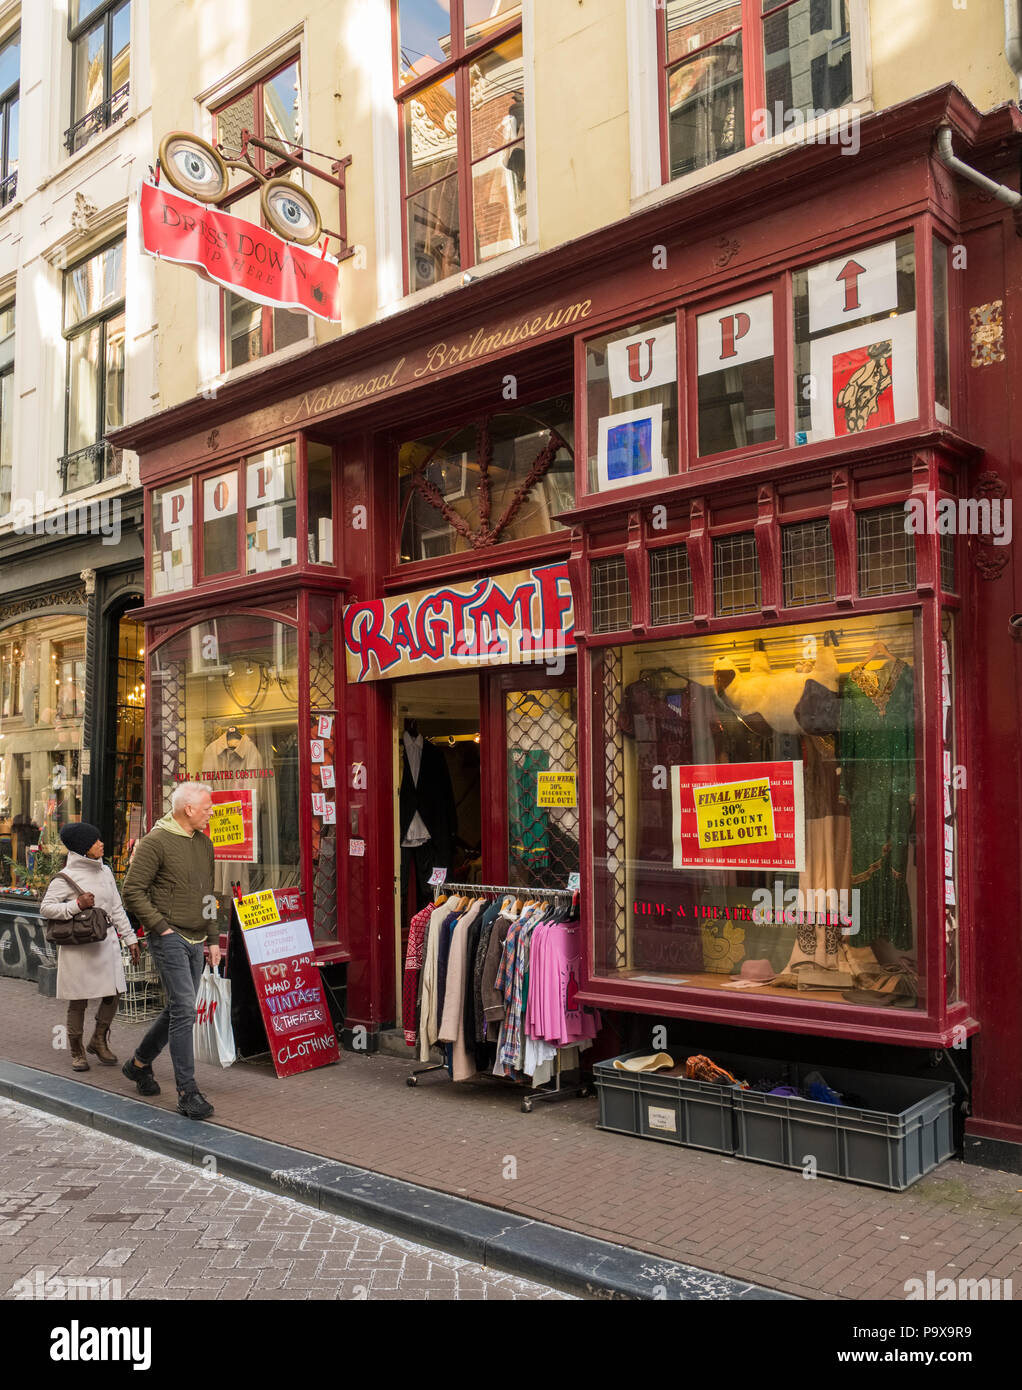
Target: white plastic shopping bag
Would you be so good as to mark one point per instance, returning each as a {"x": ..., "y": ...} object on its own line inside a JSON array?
[{"x": 213, "y": 1036}]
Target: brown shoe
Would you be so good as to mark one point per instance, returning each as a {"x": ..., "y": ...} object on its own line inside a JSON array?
[
  {"x": 99, "y": 1046},
  {"x": 79, "y": 1061}
]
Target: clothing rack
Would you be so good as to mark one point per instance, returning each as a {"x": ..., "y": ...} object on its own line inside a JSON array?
[{"x": 554, "y": 1091}]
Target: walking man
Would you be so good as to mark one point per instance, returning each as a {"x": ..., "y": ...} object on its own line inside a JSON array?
[{"x": 169, "y": 888}]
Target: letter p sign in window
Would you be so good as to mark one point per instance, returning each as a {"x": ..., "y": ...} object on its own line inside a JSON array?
[{"x": 735, "y": 361}]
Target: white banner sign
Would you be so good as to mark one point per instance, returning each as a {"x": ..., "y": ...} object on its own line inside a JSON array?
[
  {"x": 852, "y": 287},
  {"x": 642, "y": 362},
  {"x": 734, "y": 334}
]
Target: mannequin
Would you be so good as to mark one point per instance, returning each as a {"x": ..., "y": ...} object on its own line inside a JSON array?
[
  {"x": 428, "y": 818},
  {"x": 233, "y": 751}
]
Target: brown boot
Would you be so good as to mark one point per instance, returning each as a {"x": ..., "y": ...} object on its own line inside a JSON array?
[
  {"x": 75, "y": 1029},
  {"x": 79, "y": 1061},
  {"x": 99, "y": 1043}
]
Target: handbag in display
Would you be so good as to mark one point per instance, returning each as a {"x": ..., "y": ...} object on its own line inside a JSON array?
[{"x": 85, "y": 928}]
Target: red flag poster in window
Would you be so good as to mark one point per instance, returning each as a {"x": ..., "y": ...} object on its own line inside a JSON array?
[
  {"x": 232, "y": 826},
  {"x": 240, "y": 255},
  {"x": 292, "y": 1002},
  {"x": 739, "y": 816}
]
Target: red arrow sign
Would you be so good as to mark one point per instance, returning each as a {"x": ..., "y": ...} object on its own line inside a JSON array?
[{"x": 850, "y": 275}]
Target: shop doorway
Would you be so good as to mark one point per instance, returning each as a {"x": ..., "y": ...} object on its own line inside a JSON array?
[
  {"x": 497, "y": 785},
  {"x": 438, "y": 793}
]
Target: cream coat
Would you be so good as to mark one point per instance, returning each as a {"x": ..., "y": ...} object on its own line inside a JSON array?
[{"x": 89, "y": 972}]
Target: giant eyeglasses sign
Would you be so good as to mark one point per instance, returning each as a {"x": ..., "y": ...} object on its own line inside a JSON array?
[{"x": 243, "y": 257}]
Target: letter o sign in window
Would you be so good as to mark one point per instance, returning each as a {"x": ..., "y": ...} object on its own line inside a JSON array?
[{"x": 220, "y": 496}]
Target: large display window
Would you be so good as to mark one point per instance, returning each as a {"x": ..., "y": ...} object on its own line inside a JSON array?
[
  {"x": 224, "y": 699},
  {"x": 42, "y": 705},
  {"x": 755, "y": 819}
]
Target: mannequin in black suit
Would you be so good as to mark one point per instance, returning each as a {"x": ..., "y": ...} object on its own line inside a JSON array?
[{"x": 427, "y": 815}]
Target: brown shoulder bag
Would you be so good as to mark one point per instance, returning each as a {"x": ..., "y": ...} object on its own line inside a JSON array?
[{"x": 85, "y": 928}]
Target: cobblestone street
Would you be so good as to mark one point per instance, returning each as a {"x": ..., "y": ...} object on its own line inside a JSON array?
[{"x": 77, "y": 1205}]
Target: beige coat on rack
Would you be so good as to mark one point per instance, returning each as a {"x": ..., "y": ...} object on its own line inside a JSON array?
[{"x": 452, "y": 1023}]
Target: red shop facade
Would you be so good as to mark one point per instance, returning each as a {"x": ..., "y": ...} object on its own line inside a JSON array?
[{"x": 682, "y": 553}]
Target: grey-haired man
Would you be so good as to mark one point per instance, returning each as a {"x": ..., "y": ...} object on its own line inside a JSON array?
[{"x": 169, "y": 888}]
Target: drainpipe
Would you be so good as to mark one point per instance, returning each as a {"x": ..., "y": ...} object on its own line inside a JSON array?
[
  {"x": 1008, "y": 196},
  {"x": 1013, "y": 36}
]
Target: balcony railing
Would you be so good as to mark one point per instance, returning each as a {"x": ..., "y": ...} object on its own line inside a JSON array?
[
  {"x": 86, "y": 466},
  {"x": 99, "y": 118},
  {"x": 8, "y": 189}
]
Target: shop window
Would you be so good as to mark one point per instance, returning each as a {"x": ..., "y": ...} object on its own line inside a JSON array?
[
  {"x": 542, "y": 786},
  {"x": 670, "y": 581},
  {"x": 42, "y": 702},
  {"x": 719, "y": 58},
  {"x": 887, "y": 552},
  {"x": 100, "y": 36},
  {"x": 271, "y": 110},
  {"x": 6, "y": 406},
  {"x": 808, "y": 563},
  {"x": 10, "y": 79},
  {"x": 225, "y": 712},
  {"x": 632, "y": 405},
  {"x": 68, "y": 660},
  {"x": 460, "y": 88},
  {"x": 220, "y": 524},
  {"x": 172, "y": 538},
  {"x": 855, "y": 342},
  {"x": 321, "y": 506},
  {"x": 125, "y": 790},
  {"x": 948, "y": 581},
  {"x": 735, "y": 356},
  {"x": 271, "y": 510},
  {"x": 736, "y": 583},
  {"x": 12, "y": 679},
  {"x": 505, "y": 478},
  {"x": 757, "y": 809},
  {"x": 611, "y": 595},
  {"x": 94, "y": 330},
  {"x": 941, "y": 356}
]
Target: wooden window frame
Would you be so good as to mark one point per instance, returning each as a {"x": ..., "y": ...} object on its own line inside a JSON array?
[
  {"x": 753, "y": 73},
  {"x": 270, "y": 169},
  {"x": 456, "y": 67}
]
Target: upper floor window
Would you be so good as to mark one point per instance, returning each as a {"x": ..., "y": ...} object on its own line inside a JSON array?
[
  {"x": 736, "y": 72},
  {"x": 10, "y": 72},
  {"x": 6, "y": 405},
  {"x": 459, "y": 84},
  {"x": 94, "y": 329},
  {"x": 100, "y": 34},
  {"x": 271, "y": 110}
]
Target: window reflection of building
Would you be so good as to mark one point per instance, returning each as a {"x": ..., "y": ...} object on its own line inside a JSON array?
[
  {"x": 128, "y": 758},
  {"x": 42, "y": 703}
]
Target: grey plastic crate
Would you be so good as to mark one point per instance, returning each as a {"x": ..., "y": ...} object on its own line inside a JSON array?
[
  {"x": 695, "y": 1114},
  {"x": 905, "y": 1131}
]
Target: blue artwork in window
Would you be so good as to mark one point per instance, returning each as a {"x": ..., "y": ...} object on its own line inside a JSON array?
[{"x": 630, "y": 449}]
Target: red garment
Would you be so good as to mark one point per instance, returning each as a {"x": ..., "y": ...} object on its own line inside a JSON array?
[{"x": 413, "y": 964}]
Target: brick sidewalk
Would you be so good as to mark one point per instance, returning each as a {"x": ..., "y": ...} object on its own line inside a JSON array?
[{"x": 818, "y": 1239}]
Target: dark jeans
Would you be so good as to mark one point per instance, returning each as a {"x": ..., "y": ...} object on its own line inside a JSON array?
[{"x": 180, "y": 966}]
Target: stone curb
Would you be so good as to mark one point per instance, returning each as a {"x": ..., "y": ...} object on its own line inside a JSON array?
[{"x": 498, "y": 1239}]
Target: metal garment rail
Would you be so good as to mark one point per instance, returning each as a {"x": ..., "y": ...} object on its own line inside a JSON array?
[{"x": 555, "y": 1091}]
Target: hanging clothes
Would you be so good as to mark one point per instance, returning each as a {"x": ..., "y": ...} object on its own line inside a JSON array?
[
  {"x": 876, "y": 750},
  {"x": 414, "y": 955},
  {"x": 529, "y": 823}
]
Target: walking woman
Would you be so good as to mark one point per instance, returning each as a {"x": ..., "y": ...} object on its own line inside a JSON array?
[{"x": 94, "y": 971}]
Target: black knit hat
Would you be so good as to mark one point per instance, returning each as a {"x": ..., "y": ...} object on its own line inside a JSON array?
[{"x": 80, "y": 837}]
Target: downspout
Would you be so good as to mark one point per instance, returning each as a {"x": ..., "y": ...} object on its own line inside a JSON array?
[
  {"x": 1003, "y": 194},
  {"x": 1013, "y": 36}
]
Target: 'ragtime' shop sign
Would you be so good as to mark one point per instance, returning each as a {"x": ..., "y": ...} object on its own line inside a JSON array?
[{"x": 510, "y": 619}]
